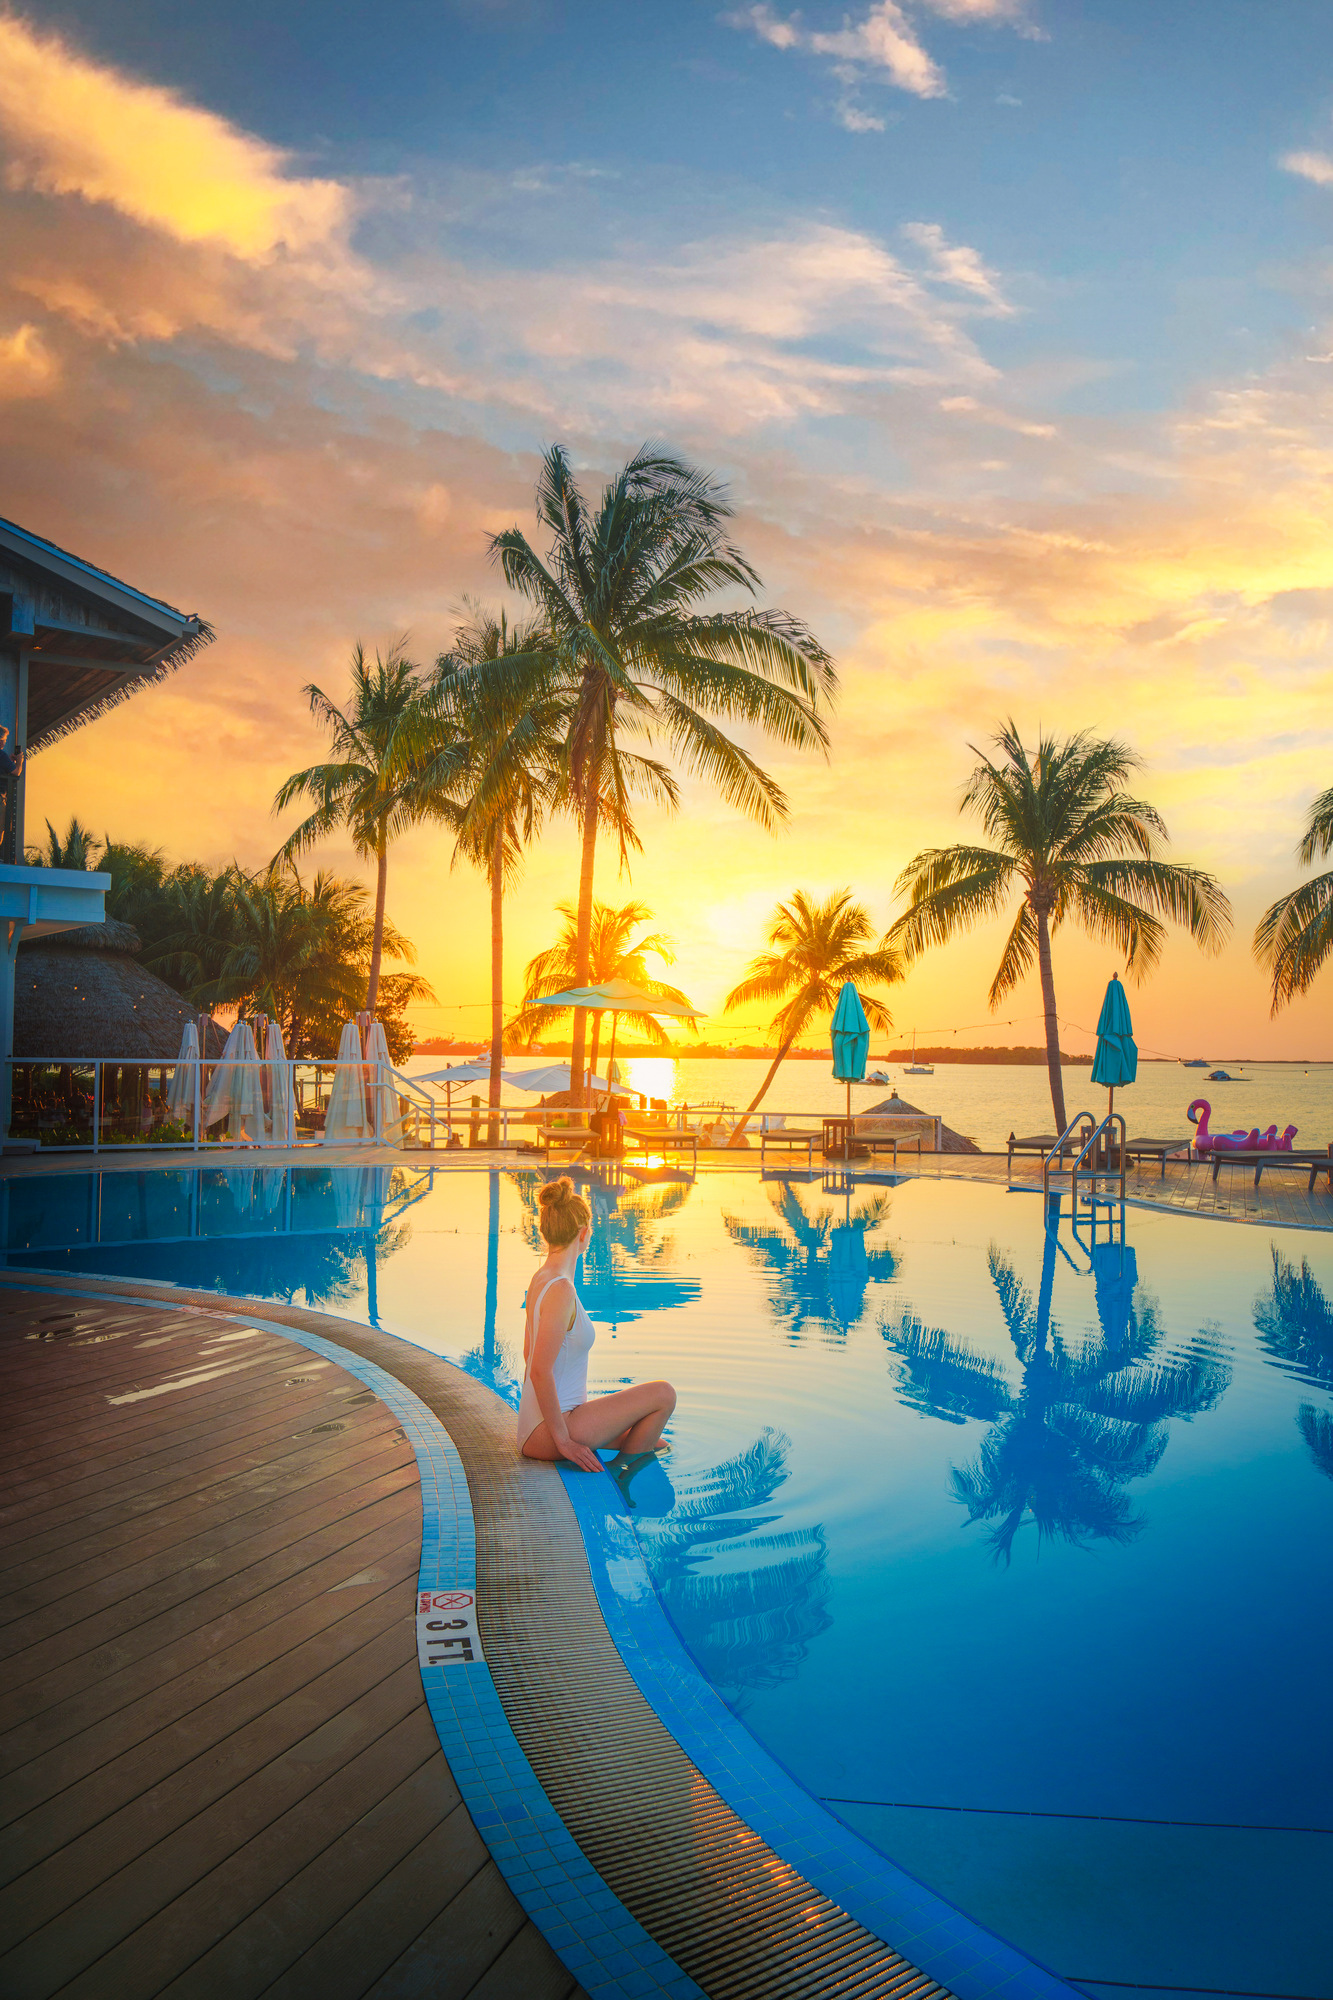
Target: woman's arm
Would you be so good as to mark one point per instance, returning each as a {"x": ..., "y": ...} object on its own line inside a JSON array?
[{"x": 554, "y": 1318}]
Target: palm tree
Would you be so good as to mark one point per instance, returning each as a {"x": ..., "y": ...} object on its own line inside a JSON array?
[
  {"x": 390, "y": 771},
  {"x": 1076, "y": 847},
  {"x": 629, "y": 654},
  {"x": 816, "y": 949},
  {"x": 78, "y": 849},
  {"x": 508, "y": 775},
  {"x": 614, "y": 953},
  {"x": 1295, "y": 936}
]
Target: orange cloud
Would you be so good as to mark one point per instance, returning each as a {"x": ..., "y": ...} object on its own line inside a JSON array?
[{"x": 72, "y": 127}]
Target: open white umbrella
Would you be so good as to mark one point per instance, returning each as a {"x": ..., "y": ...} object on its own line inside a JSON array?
[
  {"x": 386, "y": 1114},
  {"x": 180, "y": 1091},
  {"x": 279, "y": 1087},
  {"x": 345, "y": 1121},
  {"x": 616, "y": 997},
  {"x": 234, "y": 1091},
  {"x": 547, "y": 1080}
]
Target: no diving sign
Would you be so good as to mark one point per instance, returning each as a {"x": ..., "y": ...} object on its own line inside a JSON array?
[{"x": 447, "y": 1628}]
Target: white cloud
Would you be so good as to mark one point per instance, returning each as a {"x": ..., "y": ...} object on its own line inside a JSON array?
[
  {"x": 883, "y": 44},
  {"x": 1316, "y": 167},
  {"x": 853, "y": 119},
  {"x": 882, "y": 41},
  {"x": 957, "y": 264}
]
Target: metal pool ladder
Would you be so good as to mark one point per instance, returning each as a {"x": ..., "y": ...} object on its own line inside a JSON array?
[{"x": 1096, "y": 1148}]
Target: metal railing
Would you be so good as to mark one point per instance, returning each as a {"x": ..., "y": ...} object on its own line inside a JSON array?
[
  {"x": 1098, "y": 1159},
  {"x": 97, "y": 1103}
]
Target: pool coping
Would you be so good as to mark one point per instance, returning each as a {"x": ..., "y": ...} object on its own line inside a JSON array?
[{"x": 935, "y": 1946}]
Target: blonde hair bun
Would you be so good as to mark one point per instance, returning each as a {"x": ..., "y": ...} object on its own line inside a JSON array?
[{"x": 564, "y": 1212}]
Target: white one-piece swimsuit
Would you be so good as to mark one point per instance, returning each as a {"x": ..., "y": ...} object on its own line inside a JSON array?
[{"x": 570, "y": 1371}]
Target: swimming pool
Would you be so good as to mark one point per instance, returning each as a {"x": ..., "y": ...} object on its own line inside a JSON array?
[{"x": 1015, "y": 1547}]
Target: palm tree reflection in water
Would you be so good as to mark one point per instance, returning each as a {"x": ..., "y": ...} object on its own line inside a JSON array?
[
  {"x": 747, "y": 1603},
  {"x": 1294, "y": 1321},
  {"x": 817, "y": 1266},
  {"x": 1085, "y": 1419}
]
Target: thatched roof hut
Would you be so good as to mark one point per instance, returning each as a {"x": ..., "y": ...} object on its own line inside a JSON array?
[
  {"x": 950, "y": 1141},
  {"x": 82, "y": 993}
]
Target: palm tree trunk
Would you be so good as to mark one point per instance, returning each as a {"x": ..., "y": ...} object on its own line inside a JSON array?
[
  {"x": 497, "y": 982},
  {"x": 583, "y": 943},
  {"x": 738, "y": 1134},
  {"x": 1053, "y": 1068},
  {"x": 377, "y": 946}
]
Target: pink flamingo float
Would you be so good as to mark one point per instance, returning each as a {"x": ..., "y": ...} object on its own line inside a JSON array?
[{"x": 1253, "y": 1141}]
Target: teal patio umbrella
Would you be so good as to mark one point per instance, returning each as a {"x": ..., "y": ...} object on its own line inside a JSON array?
[
  {"x": 851, "y": 1046},
  {"x": 1117, "y": 1059}
]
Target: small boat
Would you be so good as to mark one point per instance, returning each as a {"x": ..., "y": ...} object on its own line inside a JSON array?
[
  {"x": 1194, "y": 1062},
  {"x": 914, "y": 1068},
  {"x": 1224, "y": 1076},
  {"x": 878, "y": 1076}
]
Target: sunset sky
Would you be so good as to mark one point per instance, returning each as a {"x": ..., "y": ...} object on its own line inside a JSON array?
[{"x": 1009, "y": 323}]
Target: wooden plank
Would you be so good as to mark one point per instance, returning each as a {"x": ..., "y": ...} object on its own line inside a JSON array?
[
  {"x": 65, "y": 1695},
  {"x": 351, "y": 1954},
  {"x": 255, "y": 1955},
  {"x": 79, "y": 1840},
  {"x": 265, "y": 1617},
  {"x": 44, "y": 1602},
  {"x": 149, "y": 1922},
  {"x": 135, "y": 1748},
  {"x": 102, "y": 1533},
  {"x": 453, "y": 1951}
]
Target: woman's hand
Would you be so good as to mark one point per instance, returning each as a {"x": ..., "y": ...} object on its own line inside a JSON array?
[{"x": 578, "y": 1454}]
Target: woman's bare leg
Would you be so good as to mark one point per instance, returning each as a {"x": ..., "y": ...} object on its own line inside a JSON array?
[{"x": 632, "y": 1420}]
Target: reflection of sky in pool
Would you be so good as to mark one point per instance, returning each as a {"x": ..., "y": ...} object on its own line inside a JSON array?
[{"x": 1017, "y": 1553}]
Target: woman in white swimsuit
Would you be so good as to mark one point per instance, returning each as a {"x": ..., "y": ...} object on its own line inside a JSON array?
[{"x": 555, "y": 1418}]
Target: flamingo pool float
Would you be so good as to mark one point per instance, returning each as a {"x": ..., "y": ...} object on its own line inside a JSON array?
[{"x": 1235, "y": 1142}]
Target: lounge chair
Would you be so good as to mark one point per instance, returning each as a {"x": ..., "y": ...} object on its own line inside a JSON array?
[
  {"x": 777, "y": 1136},
  {"x": 1312, "y": 1162},
  {"x": 1045, "y": 1142},
  {"x": 1155, "y": 1149}
]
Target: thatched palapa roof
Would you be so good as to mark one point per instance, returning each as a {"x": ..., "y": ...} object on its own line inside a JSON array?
[
  {"x": 950, "y": 1141},
  {"x": 81, "y": 993}
]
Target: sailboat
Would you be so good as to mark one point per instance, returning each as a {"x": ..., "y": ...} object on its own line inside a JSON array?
[{"x": 914, "y": 1068}]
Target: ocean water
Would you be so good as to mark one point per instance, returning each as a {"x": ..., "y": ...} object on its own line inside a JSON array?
[
  {"x": 986, "y": 1102},
  {"x": 1013, "y": 1542}
]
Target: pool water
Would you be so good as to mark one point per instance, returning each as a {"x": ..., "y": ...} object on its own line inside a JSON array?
[{"x": 1014, "y": 1544}]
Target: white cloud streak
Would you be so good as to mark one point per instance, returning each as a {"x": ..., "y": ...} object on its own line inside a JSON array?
[{"x": 1316, "y": 167}]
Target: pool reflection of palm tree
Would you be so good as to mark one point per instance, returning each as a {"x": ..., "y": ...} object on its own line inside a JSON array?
[
  {"x": 747, "y": 1602},
  {"x": 1294, "y": 1321},
  {"x": 1086, "y": 1418},
  {"x": 817, "y": 1263}
]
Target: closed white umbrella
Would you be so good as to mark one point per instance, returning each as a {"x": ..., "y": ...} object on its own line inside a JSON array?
[
  {"x": 235, "y": 1092},
  {"x": 279, "y": 1086},
  {"x": 180, "y": 1091},
  {"x": 345, "y": 1121},
  {"x": 386, "y": 1114}
]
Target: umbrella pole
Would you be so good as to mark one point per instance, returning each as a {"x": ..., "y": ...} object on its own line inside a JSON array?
[{"x": 847, "y": 1130}]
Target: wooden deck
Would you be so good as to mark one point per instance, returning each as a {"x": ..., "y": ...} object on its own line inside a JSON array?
[{"x": 220, "y": 1775}]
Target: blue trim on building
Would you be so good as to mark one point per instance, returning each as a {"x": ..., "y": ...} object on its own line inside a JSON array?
[{"x": 936, "y": 1937}]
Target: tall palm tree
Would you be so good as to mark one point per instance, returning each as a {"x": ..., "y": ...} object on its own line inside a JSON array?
[
  {"x": 509, "y": 772},
  {"x": 630, "y": 655},
  {"x": 816, "y": 949},
  {"x": 1076, "y": 847},
  {"x": 1294, "y": 937},
  {"x": 613, "y": 953},
  {"x": 390, "y": 770}
]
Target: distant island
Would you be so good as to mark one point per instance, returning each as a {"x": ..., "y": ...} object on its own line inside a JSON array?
[{"x": 1018, "y": 1058}]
